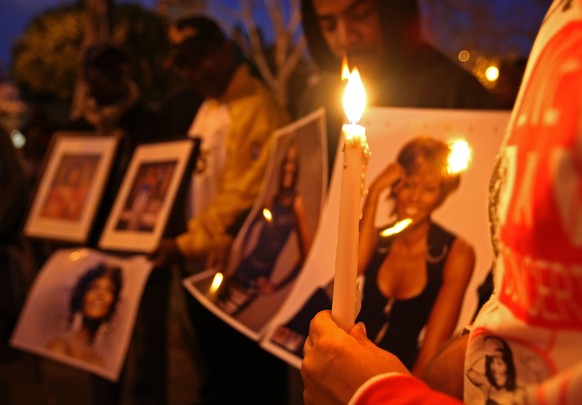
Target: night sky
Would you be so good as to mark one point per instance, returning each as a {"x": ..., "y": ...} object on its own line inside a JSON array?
[{"x": 508, "y": 25}]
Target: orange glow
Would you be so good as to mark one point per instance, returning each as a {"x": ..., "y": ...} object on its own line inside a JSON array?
[
  {"x": 345, "y": 68},
  {"x": 267, "y": 214},
  {"x": 354, "y": 97},
  {"x": 459, "y": 157},
  {"x": 216, "y": 282},
  {"x": 396, "y": 228}
]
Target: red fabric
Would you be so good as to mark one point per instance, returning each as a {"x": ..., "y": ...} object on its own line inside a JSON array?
[{"x": 397, "y": 389}]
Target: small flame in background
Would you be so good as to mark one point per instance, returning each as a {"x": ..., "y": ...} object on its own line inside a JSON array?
[
  {"x": 396, "y": 228},
  {"x": 459, "y": 157},
  {"x": 267, "y": 214},
  {"x": 216, "y": 282},
  {"x": 354, "y": 97}
]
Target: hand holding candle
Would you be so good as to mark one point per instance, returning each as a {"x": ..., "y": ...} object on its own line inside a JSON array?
[{"x": 353, "y": 187}]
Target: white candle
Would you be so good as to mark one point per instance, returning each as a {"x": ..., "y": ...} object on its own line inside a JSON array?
[{"x": 356, "y": 155}]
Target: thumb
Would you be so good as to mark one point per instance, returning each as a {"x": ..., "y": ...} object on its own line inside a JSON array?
[{"x": 358, "y": 331}]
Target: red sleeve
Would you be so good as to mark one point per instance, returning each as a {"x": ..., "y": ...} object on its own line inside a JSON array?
[{"x": 399, "y": 389}]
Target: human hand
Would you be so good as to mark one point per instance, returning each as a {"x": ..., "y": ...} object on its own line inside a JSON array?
[
  {"x": 336, "y": 363},
  {"x": 166, "y": 253},
  {"x": 389, "y": 177}
]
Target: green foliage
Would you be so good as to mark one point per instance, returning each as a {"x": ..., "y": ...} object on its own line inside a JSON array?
[{"x": 46, "y": 58}]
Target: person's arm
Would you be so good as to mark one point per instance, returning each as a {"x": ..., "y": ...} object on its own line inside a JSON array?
[
  {"x": 339, "y": 366},
  {"x": 446, "y": 309},
  {"x": 368, "y": 233},
  {"x": 248, "y": 147},
  {"x": 398, "y": 389},
  {"x": 445, "y": 372}
]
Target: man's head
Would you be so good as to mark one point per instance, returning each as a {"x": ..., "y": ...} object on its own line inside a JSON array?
[
  {"x": 106, "y": 69},
  {"x": 368, "y": 32},
  {"x": 201, "y": 55}
]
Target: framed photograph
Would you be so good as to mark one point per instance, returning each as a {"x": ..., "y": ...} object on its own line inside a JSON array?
[
  {"x": 146, "y": 197},
  {"x": 71, "y": 186}
]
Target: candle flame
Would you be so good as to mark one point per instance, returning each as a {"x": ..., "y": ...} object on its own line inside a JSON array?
[
  {"x": 396, "y": 228},
  {"x": 267, "y": 214},
  {"x": 354, "y": 97},
  {"x": 345, "y": 68},
  {"x": 216, "y": 282},
  {"x": 459, "y": 157}
]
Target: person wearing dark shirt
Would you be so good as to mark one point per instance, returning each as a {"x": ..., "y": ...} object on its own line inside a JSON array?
[{"x": 399, "y": 68}]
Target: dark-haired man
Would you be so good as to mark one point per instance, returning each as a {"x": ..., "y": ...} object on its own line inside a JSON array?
[{"x": 383, "y": 39}]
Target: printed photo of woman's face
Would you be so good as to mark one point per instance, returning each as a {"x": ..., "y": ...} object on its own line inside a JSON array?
[
  {"x": 99, "y": 298},
  {"x": 498, "y": 370},
  {"x": 418, "y": 195}
]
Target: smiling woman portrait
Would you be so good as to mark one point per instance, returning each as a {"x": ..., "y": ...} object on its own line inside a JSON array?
[
  {"x": 92, "y": 305},
  {"x": 415, "y": 279}
]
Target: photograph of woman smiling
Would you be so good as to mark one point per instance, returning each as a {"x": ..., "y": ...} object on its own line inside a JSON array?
[
  {"x": 92, "y": 305},
  {"x": 415, "y": 280}
]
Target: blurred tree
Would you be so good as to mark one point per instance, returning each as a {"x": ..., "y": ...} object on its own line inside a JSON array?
[
  {"x": 45, "y": 59},
  {"x": 99, "y": 14},
  {"x": 281, "y": 63}
]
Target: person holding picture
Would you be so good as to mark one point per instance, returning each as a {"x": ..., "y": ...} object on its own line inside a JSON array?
[
  {"x": 534, "y": 206},
  {"x": 414, "y": 280},
  {"x": 235, "y": 122}
]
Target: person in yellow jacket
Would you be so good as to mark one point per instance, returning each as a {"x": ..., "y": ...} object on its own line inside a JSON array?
[{"x": 235, "y": 122}]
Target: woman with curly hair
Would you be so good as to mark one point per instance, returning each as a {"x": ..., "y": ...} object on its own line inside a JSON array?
[{"x": 93, "y": 303}]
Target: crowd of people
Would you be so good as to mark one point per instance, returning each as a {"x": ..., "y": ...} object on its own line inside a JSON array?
[{"x": 221, "y": 100}]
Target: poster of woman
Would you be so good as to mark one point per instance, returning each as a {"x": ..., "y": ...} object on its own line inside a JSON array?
[
  {"x": 274, "y": 242},
  {"x": 82, "y": 308},
  {"x": 428, "y": 272}
]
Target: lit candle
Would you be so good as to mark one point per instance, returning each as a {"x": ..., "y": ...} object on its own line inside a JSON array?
[
  {"x": 353, "y": 187},
  {"x": 215, "y": 286}
]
